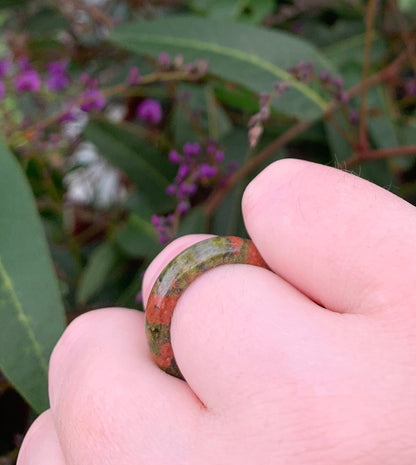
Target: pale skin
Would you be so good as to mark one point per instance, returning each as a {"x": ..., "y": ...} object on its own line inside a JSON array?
[{"x": 312, "y": 363}]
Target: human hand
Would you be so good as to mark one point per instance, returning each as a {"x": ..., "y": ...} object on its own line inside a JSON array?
[{"x": 313, "y": 363}]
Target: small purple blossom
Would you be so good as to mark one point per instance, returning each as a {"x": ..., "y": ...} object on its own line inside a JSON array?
[
  {"x": 186, "y": 190},
  {"x": 338, "y": 82},
  {"x": 93, "y": 100},
  {"x": 211, "y": 147},
  {"x": 343, "y": 97},
  {"x": 139, "y": 298},
  {"x": 150, "y": 111},
  {"x": 163, "y": 226},
  {"x": 264, "y": 99},
  {"x": 2, "y": 90},
  {"x": 183, "y": 171},
  {"x": 410, "y": 87},
  {"x": 174, "y": 157},
  {"x": 302, "y": 71},
  {"x": 5, "y": 65},
  {"x": 281, "y": 87},
  {"x": 134, "y": 77},
  {"x": 207, "y": 171},
  {"x": 68, "y": 116},
  {"x": 325, "y": 75},
  {"x": 57, "y": 75},
  {"x": 183, "y": 207},
  {"x": 191, "y": 149},
  {"x": 171, "y": 189},
  {"x": 24, "y": 63},
  {"x": 164, "y": 60},
  {"x": 88, "y": 81},
  {"x": 353, "y": 117},
  {"x": 219, "y": 156},
  {"x": 28, "y": 81}
]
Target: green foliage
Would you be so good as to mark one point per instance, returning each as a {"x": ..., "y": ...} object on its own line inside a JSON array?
[
  {"x": 210, "y": 67},
  {"x": 247, "y": 55},
  {"x": 31, "y": 311}
]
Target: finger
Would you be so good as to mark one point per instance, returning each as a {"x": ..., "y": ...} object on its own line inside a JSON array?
[
  {"x": 239, "y": 326},
  {"x": 346, "y": 243},
  {"x": 109, "y": 398},
  {"x": 40, "y": 445},
  {"x": 169, "y": 253}
]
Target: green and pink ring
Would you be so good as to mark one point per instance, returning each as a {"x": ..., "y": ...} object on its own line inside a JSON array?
[{"x": 177, "y": 276}]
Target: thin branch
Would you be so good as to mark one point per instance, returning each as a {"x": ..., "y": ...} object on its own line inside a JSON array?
[
  {"x": 379, "y": 154},
  {"x": 404, "y": 33},
  {"x": 298, "y": 128},
  {"x": 369, "y": 20}
]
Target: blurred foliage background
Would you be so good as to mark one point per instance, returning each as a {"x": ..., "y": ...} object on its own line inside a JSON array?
[{"x": 125, "y": 124}]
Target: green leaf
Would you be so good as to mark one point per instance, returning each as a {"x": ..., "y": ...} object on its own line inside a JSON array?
[
  {"x": 31, "y": 312},
  {"x": 407, "y": 5},
  {"x": 138, "y": 238},
  {"x": 143, "y": 164},
  {"x": 46, "y": 22},
  {"x": 198, "y": 111},
  {"x": 195, "y": 222},
  {"x": 247, "y": 55},
  {"x": 99, "y": 266},
  {"x": 12, "y": 3}
]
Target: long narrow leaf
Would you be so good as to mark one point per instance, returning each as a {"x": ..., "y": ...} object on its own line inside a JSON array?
[
  {"x": 31, "y": 312},
  {"x": 244, "y": 54}
]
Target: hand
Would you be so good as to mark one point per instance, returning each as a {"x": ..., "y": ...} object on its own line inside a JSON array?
[{"x": 311, "y": 364}]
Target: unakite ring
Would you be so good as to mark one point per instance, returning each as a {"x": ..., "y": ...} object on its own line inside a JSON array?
[{"x": 177, "y": 276}]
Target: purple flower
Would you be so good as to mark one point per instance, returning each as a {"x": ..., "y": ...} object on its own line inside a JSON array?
[
  {"x": 5, "y": 65},
  {"x": 57, "y": 75},
  {"x": 211, "y": 147},
  {"x": 353, "y": 117},
  {"x": 68, "y": 116},
  {"x": 93, "y": 100},
  {"x": 183, "y": 207},
  {"x": 264, "y": 99},
  {"x": 325, "y": 76},
  {"x": 164, "y": 60},
  {"x": 156, "y": 220},
  {"x": 139, "y": 298},
  {"x": 302, "y": 71},
  {"x": 134, "y": 77},
  {"x": 2, "y": 90},
  {"x": 174, "y": 157},
  {"x": 150, "y": 111},
  {"x": 219, "y": 156},
  {"x": 343, "y": 97},
  {"x": 191, "y": 149},
  {"x": 207, "y": 171},
  {"x": 24, "y": 63},
  {"x": 280, "y": 88},
  {"x": 28, "y": 81},
  {"x": 163, "y": 226},
  {"x": 186, "y": 190},
  {"x": 410, "y": 87},
  {"x": 171, "y": 189},
  {"x": 88, "y": 81},
  {"x": 183, "y": 171},
  {"x": 338, "y": 82},
  {"x": 233, "y": 166}
]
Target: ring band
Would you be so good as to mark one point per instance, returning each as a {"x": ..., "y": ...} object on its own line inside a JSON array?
[{"x": 177, "y": 276}]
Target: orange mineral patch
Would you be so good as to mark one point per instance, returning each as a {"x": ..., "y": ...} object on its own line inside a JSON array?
[
  {"x": 159, "y": 309},
  {"x": 166, "y": 355}
]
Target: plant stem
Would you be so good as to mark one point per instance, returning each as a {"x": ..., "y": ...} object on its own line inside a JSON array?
[
  {"x": 389, "y": 72},
  {"x": 370, "y": 155},
  {"x": 369, "y": 20}
]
